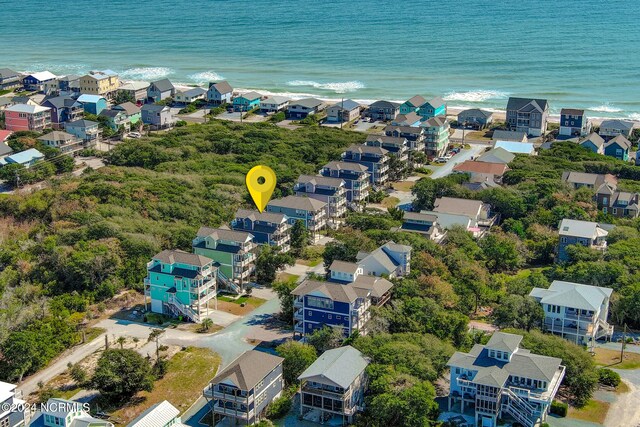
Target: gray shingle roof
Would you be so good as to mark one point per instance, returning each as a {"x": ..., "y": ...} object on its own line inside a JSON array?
[
  {"x": 248, "y": 369},
  {"x": 347, "y": 104},
  {"x": 384, "y": 104},
  {"x": 128, "y": 107},
  {"x": 340, "y": 366},
  {"x": 616, "y": 124},
  {"x": 345, "y": 267},
  {"x": 518, "y": 103},
  {"x": 502, "y": 341},
  {"x": 454, "y": 205},
  {"x": 56, "y": 135},
  {"x": 496, "y": 155},
  {"x": 334, "y": 291},
  {"x": 572, "y": 112},
  {"x": 276, "y": 218},
  {"x": 361, "y": 148},
  {"x": 222, "y": 87},
  {"x": 224, "y": 234},
  {"x": 595, "y": 139},
  {"x": 475, "y": 112},
  {"x": 299, "y": 202},
  {"x": 306, "y": 102},
  {"x": 417, "y": 101},
  {"x": 170, "y": 256},
  {"x": 82, "y": 123},
  {"x": 509, "y": 135},
  {"x": 321, "y": 180},
  {"x": 163, "y": 85},
  {"x": 621, "y": 141}
]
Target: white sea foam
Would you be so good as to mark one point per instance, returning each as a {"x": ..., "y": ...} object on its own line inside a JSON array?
[
  {"x": 337, "y": 87},
  {"x": 635, "y": 117},
  {"x": 205, "y": 77},
  {"x": 605, "y": 108},
  {"x": 146, "y": 73},
  {"x": 475, "y": 95}
]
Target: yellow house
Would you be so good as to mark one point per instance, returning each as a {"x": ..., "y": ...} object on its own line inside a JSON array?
[{"x": 102, "y": 83}]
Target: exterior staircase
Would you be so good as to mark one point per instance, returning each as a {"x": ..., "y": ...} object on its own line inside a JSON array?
[
  {"x": 604, "y": 329},
  {"x": 183, "y": 309},
  {"x": 227, "y": 283},
  {"x": 519, "y": 409}
]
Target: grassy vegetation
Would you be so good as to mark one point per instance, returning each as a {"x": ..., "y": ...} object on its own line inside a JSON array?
[
  {"x": 403, "y": 185},
  {"x": 482, "y": 135},
  {"x": 5, "y": 91},
  {"x": 189, "y": 371},
  {"x": 245, "y": 299},
  {"x": 390, "y": 202},
  {"x": 93, "y": 333},
  {"x": 622, "y": 388},
  {"x": 594, "y": 411},
  {"x": 288, "y": 277},
  {"x": 611, "y": 358}
]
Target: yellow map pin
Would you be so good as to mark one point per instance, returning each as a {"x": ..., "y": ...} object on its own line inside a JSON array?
[{"x": 261, "y": 181}]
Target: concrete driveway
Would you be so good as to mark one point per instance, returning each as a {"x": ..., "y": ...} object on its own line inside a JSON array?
[{"x": 462, "y": 156}]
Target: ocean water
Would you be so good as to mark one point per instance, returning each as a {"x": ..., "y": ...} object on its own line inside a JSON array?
[{"x": 576, "y": 53}]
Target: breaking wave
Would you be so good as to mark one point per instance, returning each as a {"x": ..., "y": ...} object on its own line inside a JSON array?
[
  {"x": 147, "y": 73},
  {"x": 475, "y": 95},
  {"x": 337, "y": 87}
]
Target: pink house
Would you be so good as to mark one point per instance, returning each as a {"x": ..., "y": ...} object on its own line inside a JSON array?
[{"x": 27, "y": 117}]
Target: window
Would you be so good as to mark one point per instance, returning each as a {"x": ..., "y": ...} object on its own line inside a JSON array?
[
  {"x": 338, "y": 317},
  {"x": 320, "y": 303},
  {"x": 563, "y": 239},
  {"x": 329, "y": 316},
  {"x": 615, "y": 211}
]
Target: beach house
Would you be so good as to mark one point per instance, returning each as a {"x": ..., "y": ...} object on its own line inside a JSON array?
[
  {"x": 332, "y": 388},
  {"x": 157, "y": 116},
  {"x": 312, "y": 212},
  {"x": 479, "y": 213},
  {"x": 190, "y": 95},
  {"x": 13, "y": 406},
  {"x": 586, "y": 233},
  {"x": 65, "y": 413},
  {"x": 242, "y": 391},
  {"x": 301, "y": 108},
  {"x": 332, "y": 191},
  {"x": 412, "y": 105},
  {"x": 273, "y": 104},
  {"x": 425, "y": 224},
  {"x": 389, "y": 260},
  {"x": 475, "y": 118},
  {"x": 355, "y": 177},
  {"x": 432, "y": 108},
  {"x": 496, "y": 155},
  {"x": 574, "y": 122},
  {"x": 27, "y": 117},
  {"x": 436, "y": 135},
  {"x": 161, "y": 414},
  {"x": 137, "y": 90},
  {"x": 132, "y": 112},
  {"x": 116, "y": 119},
  {"x": 63, "y": 109},
  {"x": 234, "y": 253},
  {"x": 383, "y": 110},
  {"x": 160, "y": 90},
  {"x": 528, "y": 115},
  {"x": 266, "y": 228},
  {"x": 93, "y": 104},
  {"x": 375, "y": 159},
  {"x": 397, "y": 147},
  {"x": 343, "y": 111},
  {"x": 574, "y": 311},
  {"x": 593, "y": 142},
  {"x": 5, "y": 149},
  {"x": 9, "y": 79},
  {"x": 614, "y": 127},
  {"x": 86, "y": 130},
  {"x": 415, "y": 136},
  {"x": 36, "y": 81},
  {"x": 220, "y": 93},
  {"x": 69, "y": 85},
  {"x": 592, "y": 181},
  {"x": 65, "y": 142},
  {"x": 618, "y": 147},
  {"x": 180, "y": 284},
  {"x": 247, "y": 101},
  {"x": 482, "y": 171},
  {"x": 621, "y": 204},
  {"x": 103, "y": 83},
  {"x": 500, "y": 381}
]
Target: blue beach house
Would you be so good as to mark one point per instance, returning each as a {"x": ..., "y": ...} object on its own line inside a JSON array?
[
  {"x": 432, "y": 108},
  {"x": 593, "y": 142},
  {"x": 267, "y": 228},
  {"x": 93, "y": 104},
  {"x": 247, "y": 101},
  {"x": 86, "y": 130},
  {"x": 26, "y": 158},
  {"x": 412, "y": 105},
  {"x": 312, "y": 212},
  {"x": 618, "y": 147}
]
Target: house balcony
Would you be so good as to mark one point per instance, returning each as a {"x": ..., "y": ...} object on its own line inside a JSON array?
[
  {"x": 244, "y": 260},
  {"x": 298, "y": 328},
  {"x": 306, "y": 388},
  {"x": 232, "y": 412},
  {"x": 203, "y": 285},
  {"x": 298, "y": 302},
  {"x": 298, "y": 314},
  {"x": 210, "y": 392},
  {"x": 580, "y": 317}
]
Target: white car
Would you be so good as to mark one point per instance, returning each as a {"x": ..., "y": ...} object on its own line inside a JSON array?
[{"x": 135, "y": 135}]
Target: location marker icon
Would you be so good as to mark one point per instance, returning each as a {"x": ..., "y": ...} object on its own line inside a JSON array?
[{"x": 261, "y": 181}]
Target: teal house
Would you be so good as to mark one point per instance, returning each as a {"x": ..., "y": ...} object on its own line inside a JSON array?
[
  {"x": 132, "y": 111},
  {"x": 436, "y": 136},
  {"x": 180, "y": 284},
  {"x": 432, "y": 108},
  {"x": 412, "y": 105},
  {"x": 618, "y": 147},
  {"x": 234, "y": 252},
  {"x": 93, "y": 104},
  {"x": 247, "y": 101}
]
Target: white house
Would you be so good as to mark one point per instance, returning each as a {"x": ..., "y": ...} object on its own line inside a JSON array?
[
  {"x": 11, "y": 414},
  {"x": 574, "y": 311},
  {"x": 273, "y": 104}
]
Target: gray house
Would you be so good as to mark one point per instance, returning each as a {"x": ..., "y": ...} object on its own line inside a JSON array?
[
  {"x": 332, "y": 388},
  {"x": 158, "y": 116},
  {"x": 383, "y": 110},
  {"x": 612, "y": 128},
  {"x": 243, "y": 389},
  {"x": 343, "y": 111},
  {"x": 161, "y": 89},
  {"x": 9, "y": 79},
  {"x": 585, "y": 233},
  {"x": 509, "y": 135},
  {"x": 303, "y": 107},
  {"x": 220, "y": 93},
  {"x": 528, "y": 115},
  {"x": 475, "y": 117}
]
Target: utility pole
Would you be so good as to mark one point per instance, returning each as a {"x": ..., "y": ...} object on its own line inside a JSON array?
[
  {"x": 341, "y": 112},
  {"x": 624, "y": 342}
]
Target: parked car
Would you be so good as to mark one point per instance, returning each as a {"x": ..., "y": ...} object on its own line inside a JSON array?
[{"x": 135, "y": 135}]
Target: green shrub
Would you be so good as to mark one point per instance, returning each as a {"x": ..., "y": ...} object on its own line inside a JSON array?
[
  {"x": 559, "y": 408},
  {"x": 278, "y": 117},
  {"x": 180, "y": 123},
  {"x": 608, "y": 377},
  {"x": 424, "y": 170},
  {"x": 279, "y": 407}
]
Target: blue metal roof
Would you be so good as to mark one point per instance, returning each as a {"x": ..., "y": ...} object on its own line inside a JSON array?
[
  {"x": 93, "y": 99},
  {"x": 25, "y": 156},
  {"x": 515, "y": 147}
]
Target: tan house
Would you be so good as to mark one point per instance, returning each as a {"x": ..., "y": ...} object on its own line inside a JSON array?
[
  {"x": 103, "y": 83},
  {"x": 482, "y": 171}
]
